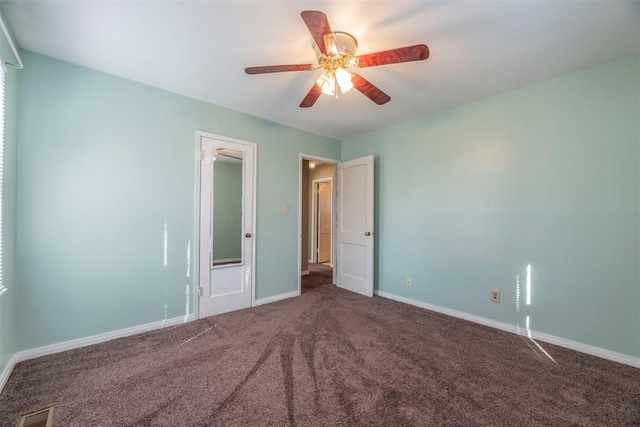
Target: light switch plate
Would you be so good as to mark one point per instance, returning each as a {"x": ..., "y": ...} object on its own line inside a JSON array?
[{"x": 287, "y": 208}]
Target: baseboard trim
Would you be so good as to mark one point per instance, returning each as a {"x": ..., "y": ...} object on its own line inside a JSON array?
[
  {"x": 83, "y": 342},
  {"x": 551, "y": 339},
  {"x": 96, "y": 339},
  {"x": 275, "y": 298},
  {"x": 304, "y": 272},
  {"x": 6, "y": 372}
]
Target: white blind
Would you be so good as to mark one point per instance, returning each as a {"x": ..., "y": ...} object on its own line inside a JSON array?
[{"x": 2, "y": 87}]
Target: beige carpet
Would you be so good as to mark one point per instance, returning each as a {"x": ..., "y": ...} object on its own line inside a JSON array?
[{"x": 327, "y": 358}]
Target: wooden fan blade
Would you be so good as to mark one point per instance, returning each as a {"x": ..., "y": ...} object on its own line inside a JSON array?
[
  {"x": 311, "y": 97},
  {"x": 416, "y": 52},
  {"x": 278, "y": 68},
  {"x": 318, "y": 26},
  {"x": 369, "y": 90}
]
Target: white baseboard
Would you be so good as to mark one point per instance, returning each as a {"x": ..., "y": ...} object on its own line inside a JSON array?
[
  {"x": 95, "y": 339},
  {"x": 6, "y": 372},
  {"x": 275, "y": 298},
  {"x": 83, "y": 342},
  {"x": 551, "y": 339},
  {"x": 304, "y": 272}
]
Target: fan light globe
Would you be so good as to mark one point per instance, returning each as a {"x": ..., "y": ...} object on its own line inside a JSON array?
[
  {"x": 327, "y": 83},
  {"x": 343, "y": 78}
]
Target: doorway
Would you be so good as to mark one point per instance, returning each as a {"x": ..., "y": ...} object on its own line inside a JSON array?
[
  {"x": 317, "y": 208},
  {"x": 321, "y": 224},
  {"x": 352, "y": 225},
  {"x": 226, "y": 224}
]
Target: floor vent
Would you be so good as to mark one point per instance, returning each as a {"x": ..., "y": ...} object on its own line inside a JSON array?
[{"x": 42, "y": 418}]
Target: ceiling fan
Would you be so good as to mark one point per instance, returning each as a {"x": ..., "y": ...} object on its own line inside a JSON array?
[{"x": 337, "y": 57}]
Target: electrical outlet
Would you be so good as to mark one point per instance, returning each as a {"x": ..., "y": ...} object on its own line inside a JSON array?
[
  {"x": 495, "y": 295},
  {"x": 287, "y": 208},
  {"x": 409, "y": 282}
]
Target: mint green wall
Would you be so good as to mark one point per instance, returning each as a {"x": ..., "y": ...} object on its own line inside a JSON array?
[
  {"x": 547, "y": 175},
  {"x": 7, "y": 300},
  {"x": 227, "y": 211},
  {"x": 103, "y": 164}
]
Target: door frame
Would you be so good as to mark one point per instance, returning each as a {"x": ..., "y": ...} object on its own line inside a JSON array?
[
  {"x": 314, "y": 217},
  {"x": 198, "y": 245},
  {"x": 301, "y": 157}
]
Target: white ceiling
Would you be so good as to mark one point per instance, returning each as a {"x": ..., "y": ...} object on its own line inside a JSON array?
[{"x": 200, "y": 49}]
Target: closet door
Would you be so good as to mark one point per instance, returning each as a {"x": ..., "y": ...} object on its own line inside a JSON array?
[{"x": 227, "y": 219}]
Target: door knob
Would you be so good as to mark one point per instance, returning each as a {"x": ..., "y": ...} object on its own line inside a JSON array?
[
  {"x": 367, "y": 234},
  {"x": 247, "y": 235}
]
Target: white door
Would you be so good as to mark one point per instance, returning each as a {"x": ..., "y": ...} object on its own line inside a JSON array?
[
  {"x": 355, "y": 226},
  {"x": 226, "y": 265},
  {"x": 324, "y": 222}
]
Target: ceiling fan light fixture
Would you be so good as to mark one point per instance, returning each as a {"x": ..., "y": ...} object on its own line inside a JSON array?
[
  {"x": 327, "y": 83},
  {"x": 336, "y": 53},
  {"x": 343, "y": 77}
]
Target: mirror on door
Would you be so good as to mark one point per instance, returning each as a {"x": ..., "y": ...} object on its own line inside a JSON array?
[{"x": 227, "y": 207}]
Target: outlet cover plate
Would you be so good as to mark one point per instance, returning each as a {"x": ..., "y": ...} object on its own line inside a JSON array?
[{"x": 494, "y": 295}]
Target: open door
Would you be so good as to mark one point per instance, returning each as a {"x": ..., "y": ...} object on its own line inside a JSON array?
[{"x": 355, "y": 226}]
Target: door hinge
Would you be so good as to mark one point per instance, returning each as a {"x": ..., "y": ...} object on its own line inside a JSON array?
[
  {"x": 202, "y": 155},
  {"x": 200, "y": 289}
]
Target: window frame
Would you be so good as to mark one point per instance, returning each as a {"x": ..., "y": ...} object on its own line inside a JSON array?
[{"x": 3, "y": 90}]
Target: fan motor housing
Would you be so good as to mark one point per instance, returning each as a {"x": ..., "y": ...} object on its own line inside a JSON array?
[{"x": 345, "y": 42}]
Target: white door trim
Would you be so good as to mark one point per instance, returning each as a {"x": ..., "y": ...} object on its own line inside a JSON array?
[
  {"x": 314, "y": 219},
  {"x": 198, "y": 246},
  {"x": 301, "y": 157}
]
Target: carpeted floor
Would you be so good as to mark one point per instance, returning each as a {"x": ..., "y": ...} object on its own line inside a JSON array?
[
  {"x": 330, "y": 358},
  {"x": 319, "y": 275}
]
